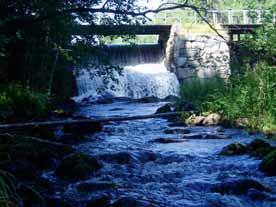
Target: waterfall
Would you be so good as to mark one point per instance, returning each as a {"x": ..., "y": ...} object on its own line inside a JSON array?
[{"x": 144, "y": 74}]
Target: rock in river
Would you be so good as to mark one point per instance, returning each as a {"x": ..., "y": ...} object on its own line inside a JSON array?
[
  {"x": 233, "y": 149},
  {"x": 259, "y": 148},
  {"x": 77, "y": 166},
  {"x": 177, "y": 131},
  {"x": 168, "y": 140},
  {"x": 239, "y": 187},
  {"x": 268, "y": 165}
]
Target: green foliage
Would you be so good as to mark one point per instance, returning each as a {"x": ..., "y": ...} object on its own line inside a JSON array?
[
  {"x": 252, "y": 97},
  {"x": 20, "y": 102},
  {"x": 197, "y": 91}
]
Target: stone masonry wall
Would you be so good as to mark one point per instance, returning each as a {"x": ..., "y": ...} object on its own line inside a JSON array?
[{"x": 194, "y": 55}]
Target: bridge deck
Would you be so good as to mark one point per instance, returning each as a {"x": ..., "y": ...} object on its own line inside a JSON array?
[
  {"x": 238, "y": 29},
  {"x": 122, "y": 29}
]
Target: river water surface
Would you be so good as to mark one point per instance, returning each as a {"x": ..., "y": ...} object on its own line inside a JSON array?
[{"x": 172, "y": 175}]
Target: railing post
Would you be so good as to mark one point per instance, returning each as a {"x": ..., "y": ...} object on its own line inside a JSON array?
[
  {"x": 259, "y": 17},
  {"x": 230, "y": 17},
  {"x": 215, "y": 19},
  {"x": 245, "y": 17}
]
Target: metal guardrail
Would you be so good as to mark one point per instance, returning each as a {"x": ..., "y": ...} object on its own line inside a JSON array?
[{"x": 217, "y": 17}]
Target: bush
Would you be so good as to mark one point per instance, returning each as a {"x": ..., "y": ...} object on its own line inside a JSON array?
[
  {"x": 19, "y": 102},
  {"x": 252, "y": 97}
]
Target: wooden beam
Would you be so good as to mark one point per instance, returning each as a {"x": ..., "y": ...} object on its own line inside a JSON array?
[
  {"x": 7, "y": 127},
  {"x": 121, "y": 29}
]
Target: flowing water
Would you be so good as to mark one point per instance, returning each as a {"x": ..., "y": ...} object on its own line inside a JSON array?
[{"x": 172, "y": 175}]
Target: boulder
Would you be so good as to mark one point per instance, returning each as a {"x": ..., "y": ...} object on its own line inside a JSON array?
[
  {"x": 259, "y": 148},
  {"x": 119, "y": 158},
  {"x": 204, "y": 136},
  {"x": 168, "y": 140},
  {"x": 268, "y": 165},
  {"x": 195, "y": 120},
  {"x": 147, "y": 99},
  {"x": 83, "y": 128},
  {"x": 77, "y": 166},
  {"x": 212, "y": 119},
  {"x": 239, "y": 187},
  {"x": 164, "y": 109},
  {"x": 131, "y": 202},
  {"x": 242, "y": 122},
  {"x": 177, "y": 131},
  {"x": 233, "y": 149},
  {"x": 38, "y": 153}
]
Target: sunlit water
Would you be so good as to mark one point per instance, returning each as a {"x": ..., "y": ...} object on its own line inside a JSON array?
[{"x": 171, "y": 175}]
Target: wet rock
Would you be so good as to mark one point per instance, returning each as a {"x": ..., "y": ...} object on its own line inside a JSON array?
[
  {"x": 254, "y": 194},
  {"x": 177, "y": 124},
  {"x": 171, "y": 98},
  {"x": 204, "y": 136},
  {"x": 116, "y": 109},
  {"x": 88, "y": 187},
  {"x": 239, "y": 187},
  {"x": 193, "y": 136},
  {"x": 38, "y": 153},
  {"x": 212, "y": 119},
  {"x": 242, "y": 122},
  {"x": 148, "y": 99},
  {"x": 131, "y": 202},
  {"x": 233, "y": 149},
  {"x": 215, "y": 136},
  {"x": 168, "y": 140},
  {"x": 77, "y": 166},
  {"x": 147, "y": 157},
  {"x": 71, "y": 138},
  {"x": 259, "y": 148},
  {"x": 104, "y": 101},
  {"x": 268, "y": 165},
  {"x": 83, "y": 128},
  {"x": 119, "y": 158},
  {"x": 195, "y": 120},
  {"x": 177, "y": 131},
  {"x": 39, "y": 131},
  {"x": 164, "y": 109},
  {"x": 103, "y": 201}
]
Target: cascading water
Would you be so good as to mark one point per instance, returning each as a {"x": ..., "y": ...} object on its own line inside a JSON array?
[{"x": 144, "y": 74}]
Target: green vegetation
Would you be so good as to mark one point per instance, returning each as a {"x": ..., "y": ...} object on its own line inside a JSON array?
[
  {"x": 18, "y": 102},
  {"x": 250, "y": 93}
]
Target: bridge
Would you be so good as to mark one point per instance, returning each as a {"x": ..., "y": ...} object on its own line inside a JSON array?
[
  {"x": 162, "y": 30},
  {"x": 235, "y": 22}
]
